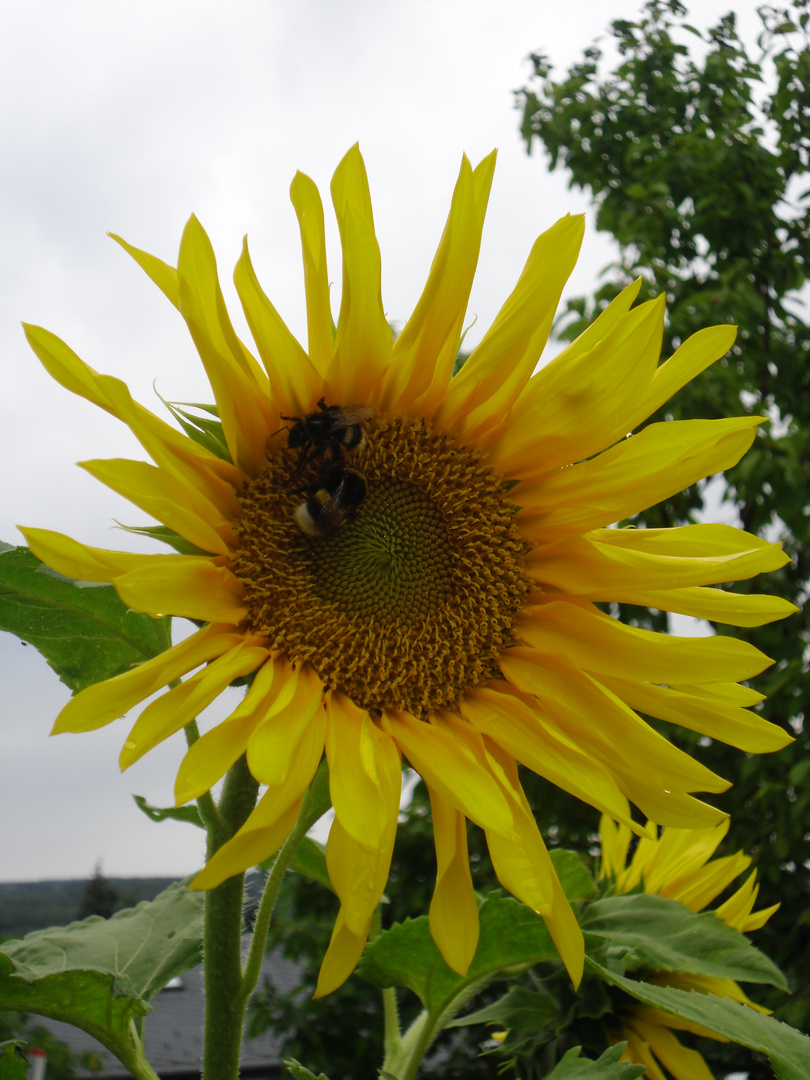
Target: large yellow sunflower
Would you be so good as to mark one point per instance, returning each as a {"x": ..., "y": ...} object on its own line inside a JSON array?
[
  {"x": 453, "y": 622},
  {"x": 676, "y": 865}
]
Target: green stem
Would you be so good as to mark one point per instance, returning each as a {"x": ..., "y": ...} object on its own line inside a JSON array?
[
  {"x": 404, "y": 1062},
  {"x": 392, "y": 1041},
  {"x": 315, "y": 805},
  {"x": 222, "y": 943}
]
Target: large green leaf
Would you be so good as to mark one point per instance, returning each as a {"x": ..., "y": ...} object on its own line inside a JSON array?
[
  {"x": 99, "y": 974},
  {"x": 608, "y": 1067},
  {"x": 82, "y": 629},
  {"x": 512, "y": 939},
  {"x": 787, "y": 1049},
  {"x": 648, "y": 931}
]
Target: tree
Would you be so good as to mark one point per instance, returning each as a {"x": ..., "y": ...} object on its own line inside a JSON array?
[
  {"x": 99, "y": 897},
  {"x": 696, "y": 163}
]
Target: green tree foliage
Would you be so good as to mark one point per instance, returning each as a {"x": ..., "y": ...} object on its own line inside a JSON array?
[{"x": 695, "y": 149}]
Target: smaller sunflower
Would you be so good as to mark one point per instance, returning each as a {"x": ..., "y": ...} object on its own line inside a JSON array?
[{"x": 676, "y": 865}]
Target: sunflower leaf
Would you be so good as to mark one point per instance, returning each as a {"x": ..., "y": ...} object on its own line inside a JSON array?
[
  {"x": 512, "y": 939},
  {"x": 607, "y": 1067},
  {"x": 99, "y": 974},
  {"x": 645, "y": 931},
  {"x": 81, "y": 628},
  {"x": 786, "y": 1048}
]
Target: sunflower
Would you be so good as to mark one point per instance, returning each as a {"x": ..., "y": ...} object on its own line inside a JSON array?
[
  {"x": 453, "y": 621},
  {"x": 676, "y": 865}
]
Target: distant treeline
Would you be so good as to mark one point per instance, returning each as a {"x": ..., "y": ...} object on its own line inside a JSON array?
[{"x": 35, "y": 905}]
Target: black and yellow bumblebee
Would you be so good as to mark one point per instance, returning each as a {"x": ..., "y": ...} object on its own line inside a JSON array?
[
  {"x": 328, "y": 433},
  {"x": 332, "y": 502}
]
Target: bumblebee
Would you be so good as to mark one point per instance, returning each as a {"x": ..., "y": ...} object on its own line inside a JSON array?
[
  {"x": 332, "y": 502},
  {"x": 328, "y": 433}
]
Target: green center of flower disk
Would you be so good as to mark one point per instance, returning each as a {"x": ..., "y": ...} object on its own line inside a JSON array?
[{"x": 412, "y": 601}]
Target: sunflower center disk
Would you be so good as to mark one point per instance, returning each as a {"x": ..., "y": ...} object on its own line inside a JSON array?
[{"x": 410, "y": 603}]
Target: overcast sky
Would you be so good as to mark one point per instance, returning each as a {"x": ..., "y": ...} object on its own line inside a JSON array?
[{"x": 128, "y": 117}]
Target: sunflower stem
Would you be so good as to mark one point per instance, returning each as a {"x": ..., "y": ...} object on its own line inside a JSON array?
[
  {"x": 316, "y": 803},
  {"x": 404, "y": 1059},
  {"x": 392, "y": 1041},
  {"x": 222, "y": 943}
]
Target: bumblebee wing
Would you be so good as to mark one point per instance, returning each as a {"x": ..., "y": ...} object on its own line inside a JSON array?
[
  {"x": 346, "y": 415},
  {"x": 330, "y": 517}
]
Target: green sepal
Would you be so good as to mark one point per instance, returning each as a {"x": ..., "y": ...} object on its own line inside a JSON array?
[
  {"x": 189, "y": 814},
  {"x": 203, "y": 431},
  {"x": 84, "y": 631},
  {"x": 166, "y": 536},
  {"x": 786, "y": 1048}
]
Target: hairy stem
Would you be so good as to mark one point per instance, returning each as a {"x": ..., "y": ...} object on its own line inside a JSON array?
[
  {"x": 316, "y": 803},
  {"x": 222, "y": 944}
]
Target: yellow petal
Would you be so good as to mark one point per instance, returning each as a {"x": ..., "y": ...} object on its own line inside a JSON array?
[
  {"x": 260, "y": 837},
  {"x": 510, "y": 722},
  {"x": 691, "y": 358},
  {"x": 615, "y": 839},
  {"x": 359, "y": 872},
  {"x": 241, "y": 388},
  {"x": 295, "y": 383},
  {"x": 364, "y": 338},
  {"x": 209, "y": 758},
  {"x": 639, "y": 1052},
  {"x": 84, "y": 563},
  {"x": 452, "y": 766},
  {"x": 345, "y": 949},
  {"x": 193, "y": 589},
  {"x": 523, "y": 866},
  {"x": 737, "y": 910},
  {"x": 598, "y": 643},
  {"x": 684, "y": 1064},
  {"x": 649, "y": 771},
  {"x": 727, "y": 723},
  {"x": 426, "y": 349},
  {"x": 309, "y": 210},
  {"x": 218, "y": 480},
  {"x": 638, "y": 472},
  {"x": 272, "y": 751},
  {"x": 103, "y": 702},
  {"x": 163, "y": 275},
  {"x": 365, "y": 772},
  {"x": 453, "y": 911},
  {"x": 717, "y": 605},
  {"x": 167, "y": 499},
  {"x": 607, "y": 560},
  {"x": 482, "y": 394},
  {"x": 572, "y": 407},
  {"x": 178, "y": 706}
]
